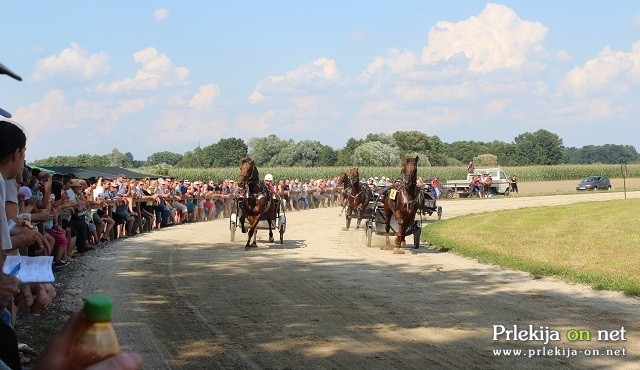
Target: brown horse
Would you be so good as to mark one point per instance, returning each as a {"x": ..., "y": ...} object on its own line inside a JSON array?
[
  {"x": 258, "y": 201},
  {"x": 356, "y": 195},
  {"x": 405, "y": 202}
]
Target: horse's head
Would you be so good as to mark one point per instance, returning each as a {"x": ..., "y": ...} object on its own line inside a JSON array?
[
  {"x": 248, "y": 173},
  {"x": 410, "y": 170},
  {"x": 354, "y": 175},
  {"x": 342, "y": 178}
]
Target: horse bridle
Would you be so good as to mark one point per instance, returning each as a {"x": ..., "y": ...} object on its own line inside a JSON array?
[{"x": 248, "y": 181}]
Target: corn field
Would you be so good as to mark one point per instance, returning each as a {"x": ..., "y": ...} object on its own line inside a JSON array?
[{"x": 528, "y": 173}]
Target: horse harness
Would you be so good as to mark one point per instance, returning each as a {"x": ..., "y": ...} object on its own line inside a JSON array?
[{"x": 399, "y": 188}]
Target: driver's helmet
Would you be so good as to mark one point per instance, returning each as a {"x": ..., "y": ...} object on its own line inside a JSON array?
[
  {"x": 398, "y": 179},
  {"x": 268, "y": 177}
]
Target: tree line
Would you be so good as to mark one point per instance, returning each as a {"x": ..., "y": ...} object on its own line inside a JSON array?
[{"x": 376, "y": 149}]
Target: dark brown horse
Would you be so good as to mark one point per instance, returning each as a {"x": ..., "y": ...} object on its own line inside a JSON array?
[
  {"x": 404, "y": 204},
  {"x": 257, "y": 203},
  {"x": 356, "y": 195}
]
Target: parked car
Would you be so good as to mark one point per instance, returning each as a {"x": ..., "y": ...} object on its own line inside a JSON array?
[{"x": 594, "y": 183}]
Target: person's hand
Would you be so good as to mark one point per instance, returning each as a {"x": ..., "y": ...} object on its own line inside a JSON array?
[
  {"x": 9, "y": 286},
  {"x": 56, "y": 355},
  {"x": 42, "y": 243},
  {"x": 35, "y": 297},
  {"x": 31, "y": 236},
  {"x": 47, "y": 184},
  {"x": 41, "y": 216}
]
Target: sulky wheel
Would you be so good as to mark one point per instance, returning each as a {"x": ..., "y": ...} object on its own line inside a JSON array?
[{"x": 416, "y": 236}]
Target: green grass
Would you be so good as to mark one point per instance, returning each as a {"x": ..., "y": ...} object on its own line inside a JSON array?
[{"x": 594, "y": 243}]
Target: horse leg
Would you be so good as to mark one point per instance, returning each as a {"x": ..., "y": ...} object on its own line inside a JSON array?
[
  {"x": 244, "y": 230},
  {"x": 270, "y": 232},
  {"x": 359, "y": 218},
  {"x": 387, "y": 227},
  {"x": 253, "y": 232},
  {"x": 248, "y": 246},
  {"x": 400, "y": 233},
  {"x": 348, "y": 217},
  {"x": 344, "y": 205}
]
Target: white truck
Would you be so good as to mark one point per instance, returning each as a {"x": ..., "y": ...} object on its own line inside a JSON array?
[{"x": 461, "y": 187}]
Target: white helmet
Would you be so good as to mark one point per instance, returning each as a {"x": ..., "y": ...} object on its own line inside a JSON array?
[{"x": 268, "y": 177}]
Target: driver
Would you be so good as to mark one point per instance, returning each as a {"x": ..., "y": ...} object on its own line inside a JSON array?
[{"x": 268, "y": 181}]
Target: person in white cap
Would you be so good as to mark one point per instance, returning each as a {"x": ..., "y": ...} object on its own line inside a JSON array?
[{"x": 268, "y": 181}]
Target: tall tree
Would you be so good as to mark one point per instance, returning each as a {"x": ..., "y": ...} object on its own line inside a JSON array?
[
  {"x": 464, "y": 151},
  {"x": 262, "y": 150},
  {"x": 225, "y": 153},
  {"x": 118, "y": 159},
  {"x": 383, "y": 138},
  {"x": 412, "y": 142},
  {"x": 192, "y": 159},
  {"x": 164, "y": 157},
  {"x": 608, "y": 153},
  {"x": 539, "y": 148},
  {"x": 375, "y": 153},
  {"x": 345, "y": 155}
]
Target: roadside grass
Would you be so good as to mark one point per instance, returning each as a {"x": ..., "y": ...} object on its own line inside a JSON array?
[{"x": 594, "y": 243}]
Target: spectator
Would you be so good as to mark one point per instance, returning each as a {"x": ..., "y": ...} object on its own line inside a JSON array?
[
  {"x": 474, "y": 187},
  {"x": 295, "y": 195},
  {"x": 70, "y": 218},
  {"x": 435, "y": 185},
  {"x": 12, "y": 154},
  {"x": 470, "y": 167},
  {"x": 304, "y": 195},
  {"x": 513, "y": 184},
  {"x": 488, "y": 181}
]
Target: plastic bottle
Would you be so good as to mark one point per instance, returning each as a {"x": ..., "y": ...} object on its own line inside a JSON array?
[{"x": 96, "y": 339}]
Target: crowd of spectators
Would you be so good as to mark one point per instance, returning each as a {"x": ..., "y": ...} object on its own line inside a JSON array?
[{"x": 41, "y": 215}]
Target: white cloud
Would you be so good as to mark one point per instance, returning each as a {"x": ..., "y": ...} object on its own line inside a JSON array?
[
  {"x": 562, "y": 56},
  {"x": 54, "y": 113},
  {"x": 496, "y": 106},
  {"x": 378, "y": 108},
  {"x": 156, "y": 71},
  {"x": 610, "y": 72},
  {"x": 255, "y": 97},
  {"x": 74, "y": 62},
  {"x": 205, "y": 96},
  {"x": 161, "y": 14},
  {"x": 322, "y": 69},
  {"x": 495, "y": 39},
  {"x": 255, "y": 123}
]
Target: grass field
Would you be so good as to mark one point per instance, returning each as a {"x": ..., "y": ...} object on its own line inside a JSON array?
[{"x": 591, "y": 243}]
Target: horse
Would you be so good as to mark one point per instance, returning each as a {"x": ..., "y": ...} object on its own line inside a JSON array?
[
  {"x": 258, "y": 201},
  {"x": 404, "y": 204},
  {"x": 355, "y": 195}
]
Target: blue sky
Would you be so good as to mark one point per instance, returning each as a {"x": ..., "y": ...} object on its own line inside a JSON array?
[{"x": 148, "y": 76}]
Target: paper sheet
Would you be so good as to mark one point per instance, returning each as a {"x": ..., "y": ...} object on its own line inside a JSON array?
[{"x": 32, "y": 269}]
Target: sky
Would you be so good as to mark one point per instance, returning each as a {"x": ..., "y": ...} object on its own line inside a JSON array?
[{"x": 148, "y": 76}]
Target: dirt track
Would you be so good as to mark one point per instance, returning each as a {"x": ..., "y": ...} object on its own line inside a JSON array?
[{"x": 188, "y": 298}]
